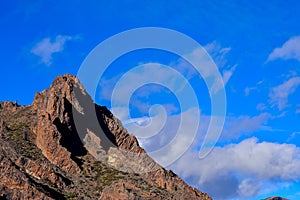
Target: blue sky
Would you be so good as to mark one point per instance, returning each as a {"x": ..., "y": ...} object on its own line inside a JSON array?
[{"x": 255, "y": 45}]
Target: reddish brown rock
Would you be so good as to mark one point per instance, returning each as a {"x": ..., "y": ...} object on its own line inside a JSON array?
[
  {"x": 53, "y": 113},
  {"x": 3, "y": 127},
  {"x": 276, "y": 198},
  {"x": 45, "y": 155},
  {"x": 9, "y": 106}
]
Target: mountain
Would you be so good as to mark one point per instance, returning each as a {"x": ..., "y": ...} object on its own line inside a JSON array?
[
  {"x": 276, "y": 198},
  {"x": 64, "y": 146}
]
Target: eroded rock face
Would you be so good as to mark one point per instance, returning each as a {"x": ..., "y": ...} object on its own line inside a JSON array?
[
  {"x": 55, "y": 134},
  {"x": 275, "y": 198},
  {"x": 45, "y": 154},
  {"x": 19, "y": 176}
]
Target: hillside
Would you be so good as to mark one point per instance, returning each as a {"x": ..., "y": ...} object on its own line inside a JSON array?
[{"x": 56, "y": 149}]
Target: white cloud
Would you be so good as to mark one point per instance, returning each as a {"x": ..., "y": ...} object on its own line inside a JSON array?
[
  {"x": 297, "y": 109},
  {"x": 163, "y": 75},
  {"x": 261, "y": 107},
  {"x": 166, "y": 138},
  {"x": 293, "y": 136},
  {"x": 229, "y": 171},
  {"x": 150, "y": 73},
  {"x": 279, "y": 94},
  {"x": 248, "y": 187},
  {"x": 248, "y": 90},
  {"x": 164, "y": 130},
  {"x": 218, "y": 55},
  {"x": 227, "y": 73},
  {"x": 235, "y": 127},
  {"x": 198, "y": 58},
  {"x": 141, "y": 121},
  {"x": 145, "y": 75},
  {"x": 289, "y": 50},
  {"x": 240, "y": 170},
  {"x": 47, "y": 47}
]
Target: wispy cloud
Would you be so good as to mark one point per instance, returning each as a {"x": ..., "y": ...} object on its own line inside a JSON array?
[
  {"x": 279, "y": 94},
  {"x": 293, "y": 136},
  {"x": 47, "y": 47},
  {"x": 289, "y": 50},
  {"x": 219, "y": 55},
  {"x": 140, "y": 76},
  {"x": 241, "y": 170},
  {"x": 298, "y": 109},
  {"x": 261, "y": 107},
  {"x": 167, "y": 138},
  {"x": 234, "y": 171},
  {"x": 227, "y": 73},
  {"x": 248, "y": 90},
  {"x": 235, "y": 127},
  {"x": 216, "y": 51},
  {"x": 143, "y": 75},
  {"x": 139, "y": 121}
]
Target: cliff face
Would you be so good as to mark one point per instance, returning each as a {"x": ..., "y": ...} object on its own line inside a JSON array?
[{"x": 45, "y": 154}]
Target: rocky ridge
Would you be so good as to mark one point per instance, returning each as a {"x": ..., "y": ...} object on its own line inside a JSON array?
[
  {"x": 276, "y": 198},
  {"x": 44, "y": 154}
]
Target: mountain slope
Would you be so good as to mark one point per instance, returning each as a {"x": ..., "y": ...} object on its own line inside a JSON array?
[{"x": 64, "y": 146}]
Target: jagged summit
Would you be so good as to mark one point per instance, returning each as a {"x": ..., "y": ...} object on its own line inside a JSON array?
[{"x": 64, "y": 146}]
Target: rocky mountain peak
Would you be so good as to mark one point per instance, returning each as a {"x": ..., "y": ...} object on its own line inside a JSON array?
[
  {"x": 64, "y": 146},
  {"x": 62, "y": 89},
  {"x": 72, "y": 112}
]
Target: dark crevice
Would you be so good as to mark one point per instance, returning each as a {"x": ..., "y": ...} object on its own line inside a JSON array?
[
  {"x": 69, "y": 136},
  {"x": 70, "y": 141},
  {"x": 102, "y": 111},
  {"x": 47, "y": 190},
  {"x": 88, "y": 121}
]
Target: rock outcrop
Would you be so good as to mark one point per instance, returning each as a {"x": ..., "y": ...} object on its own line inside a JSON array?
[
  {"x": 64, "y": 146},
  {"x": 276, "y": 198}
]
